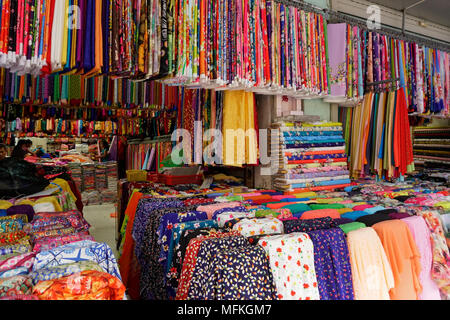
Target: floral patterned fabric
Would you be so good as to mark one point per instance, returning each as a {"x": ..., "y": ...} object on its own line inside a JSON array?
[
  {"x": 190, "y": 260},
  {"x": 17, "y": 285},
  {"x": 12, "y": 237},
  {"x": 87, "y": 285},
  {"x": 241, "y": 273},
  {"x": 440, "y": 271},
  {"x": 292, "y": 263},
  {"x": 45, "y": 244},
  {"x": 224, "y": 217},
  {"x": 308, "y": 225},
  {"x": 22, "y": 260},
  {"x": 253, "y": 227},
  {"x": 179, "y": 228},
  {"x": 198, "y": 285},
  {"x": 332, "y": 263},
  {"x": 52, "y": 233},
  {"x": 14, "y": 249},
  {"x": 174, "y": 272}
]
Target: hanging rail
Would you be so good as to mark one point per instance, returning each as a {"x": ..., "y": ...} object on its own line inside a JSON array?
[{"x": 336, "y": 17}]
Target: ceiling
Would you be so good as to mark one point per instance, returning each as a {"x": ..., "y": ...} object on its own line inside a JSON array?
[{"x": 436, "y": 11}]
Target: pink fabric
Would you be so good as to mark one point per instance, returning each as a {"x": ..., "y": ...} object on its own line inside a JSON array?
[
  {"x": 416, "y": 200},
  {"x": 322, "y": 213},
  {"x": 422, "y": 236},
  {"x": 210, "y": 209},
  {"x": 287, "y": 219},
  {"x": 345, "y": 201},
  {"x": 49, "y": 243},
  {"x": 362, "y": 207},
  {"x": 23, "y": 260}
]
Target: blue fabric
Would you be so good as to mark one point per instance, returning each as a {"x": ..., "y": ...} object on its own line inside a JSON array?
[
  {"x": 374, "y": 209},
  {"x": 354, "y": 215}
]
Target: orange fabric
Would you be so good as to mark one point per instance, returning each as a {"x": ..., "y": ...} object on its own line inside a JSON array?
[
  {"x": 261, "y": 197},
  {"x": 128, "y": 246},
  {"x": 87, "y": 285},
  {"x": 403, "y": 256},
  {"x": 278, "y": 205},
  {"x": 322, "y": 213}
]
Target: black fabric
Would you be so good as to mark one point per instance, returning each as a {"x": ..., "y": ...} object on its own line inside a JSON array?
[
  {"x": 375, "y": 218},
  {"x": 19, "y": 178},
  {"x": 387, "y": 211},
  {"x": 402, "y": 198}
]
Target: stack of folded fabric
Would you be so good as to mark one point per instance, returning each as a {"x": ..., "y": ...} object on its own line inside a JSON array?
[
  {"x": 88, "y": 177},
  {"x": 77, "y": 174},
  {"x": 312, "y": 157},
  {"x": 101, "y": 181},
  {"x": 46, "y": 258},
  {"x": 110, "y": 194}
]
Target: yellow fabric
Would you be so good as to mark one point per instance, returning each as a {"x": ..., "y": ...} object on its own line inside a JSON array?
[
  {"x": 221, "y": 176},
  {"x": 305, "y": 195},
  {"x": 239, "y": 137},
  {"x": 65, "y": 36},
  {"x": 25, "y": 202},
  {"x": 332, "y": 200},
  {"x": 443, "y": 204},
  {"x": 4, "y": 205},
  {"x": 52, "y": 200},
  {"x": 64, "y": 185},
  {"x": 344, "y": 210}
]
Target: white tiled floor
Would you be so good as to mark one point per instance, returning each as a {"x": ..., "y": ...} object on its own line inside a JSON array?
[{"x": 102, "y": 224}]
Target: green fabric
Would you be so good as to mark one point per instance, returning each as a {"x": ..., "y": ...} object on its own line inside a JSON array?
[
  {"x": 352, "y": 226},
  {"x": 351, "y": 205},
  {"x": 230, "y": 198},
  {"x": 297, "y": 207},
  {"x": 327, "y": 206},
  {"x": 264, "y": 213}
]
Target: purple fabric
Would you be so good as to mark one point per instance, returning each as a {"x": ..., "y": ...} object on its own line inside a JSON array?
[
  {"x": 399, "y": 215},
  {"x": 21, "y": 209},
  {"x": 308, "y": 225},
  {"x": 338, "y": 73},
  {"x": 342, "y": 221},
  {"x": 332, "y": 264}
]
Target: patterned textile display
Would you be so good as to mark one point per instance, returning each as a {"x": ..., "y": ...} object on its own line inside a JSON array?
[
  {"x": 292, "y": 264},
  {"x": 87, "y": 285},
  {"x": 84, "y": 250}
]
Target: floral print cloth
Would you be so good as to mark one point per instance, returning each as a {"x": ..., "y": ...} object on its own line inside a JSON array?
[
  {"x": 45, "y": 244},
  {"x": 174, "y": 272},
  {"x": 440, "y": 271},
  {"x": 190, "y": 260},
  {"x": 241, "y": 273},
  {"x": 253, "y": 227},
  {"x": 17, "y": 285},
  {"x": 198, "y": 285},
  {"x": 307, "y": 225},
  {"x": 12, "y": 237},
  {"x": 292, "y": 263},
  {"x": 224, "y": 217},
  {"x": 179, "y": 228},
  {"x": 14, "y": 249},
  {"x": 22, "y": 260},
  {"x": 332, "y": 262}
]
